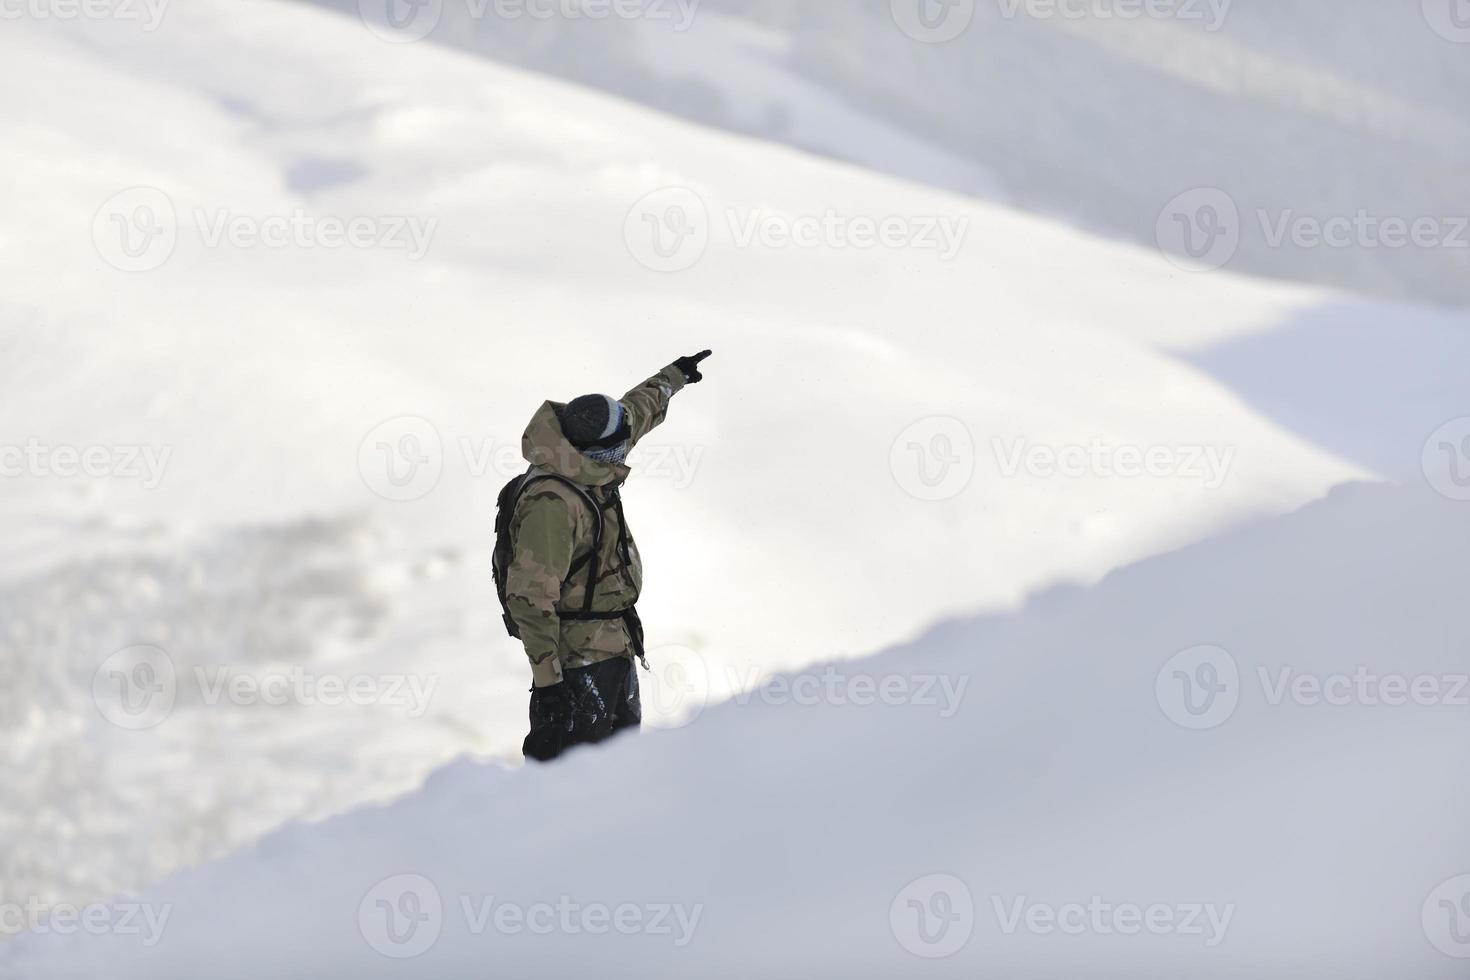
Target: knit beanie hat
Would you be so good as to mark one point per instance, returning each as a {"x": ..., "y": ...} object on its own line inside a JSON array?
[{"x": 592, "y": 420}]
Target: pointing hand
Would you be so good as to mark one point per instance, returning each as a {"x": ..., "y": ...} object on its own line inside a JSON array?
[{"x": 690, "y": 367}]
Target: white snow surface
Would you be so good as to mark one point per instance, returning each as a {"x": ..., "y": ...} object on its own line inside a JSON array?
[
  {"x": 263, "y": 372},
  {"x": 785, "y": 839}
]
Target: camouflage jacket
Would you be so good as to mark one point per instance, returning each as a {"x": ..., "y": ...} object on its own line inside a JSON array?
[{"x": 552, "y": 529}]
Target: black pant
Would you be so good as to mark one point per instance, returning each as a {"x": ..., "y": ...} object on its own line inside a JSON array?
[{"x": 593, "y": 704}]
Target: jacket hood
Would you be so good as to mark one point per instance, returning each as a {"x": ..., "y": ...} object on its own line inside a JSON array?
[{"x": 546, "y": 446}]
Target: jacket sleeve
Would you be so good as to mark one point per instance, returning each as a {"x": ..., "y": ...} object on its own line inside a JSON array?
[
  {"x": 648, "y": 404},
  {"x": 543, "y": 531}
]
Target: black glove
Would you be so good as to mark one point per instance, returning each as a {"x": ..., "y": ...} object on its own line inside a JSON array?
[
  {"x": 552, "y": 710},
  {"x": 591, "y": 719},
  {"x": 690, "y": 367},
  {"x": 551, "y": 704},
  {"x": 566, "y": 714}
]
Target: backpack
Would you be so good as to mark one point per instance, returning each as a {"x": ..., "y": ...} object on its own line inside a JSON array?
[{"x": 506, "y": 504}]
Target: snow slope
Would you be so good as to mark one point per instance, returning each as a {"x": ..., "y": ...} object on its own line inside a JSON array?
[
  {"x": 1281, "y": 835},
  {"x": 1082, "y": 109},
  {"x": 782, "y": 520}
]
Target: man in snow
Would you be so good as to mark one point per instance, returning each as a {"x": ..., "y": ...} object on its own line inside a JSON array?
[{"x": 573, "y": 604}]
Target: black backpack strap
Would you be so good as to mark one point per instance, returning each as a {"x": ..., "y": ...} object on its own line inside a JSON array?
[
  {"x": 617, "y": 503},
  {"x": 629, "y": 618}
]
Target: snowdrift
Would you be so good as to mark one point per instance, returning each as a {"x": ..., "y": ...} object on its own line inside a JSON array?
[
  {"x": 1092, "y": 111},
  {"x": 1084, "y": 809}
]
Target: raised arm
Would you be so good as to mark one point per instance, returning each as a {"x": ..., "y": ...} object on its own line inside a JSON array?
[{"x": 648, "y": 404}]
